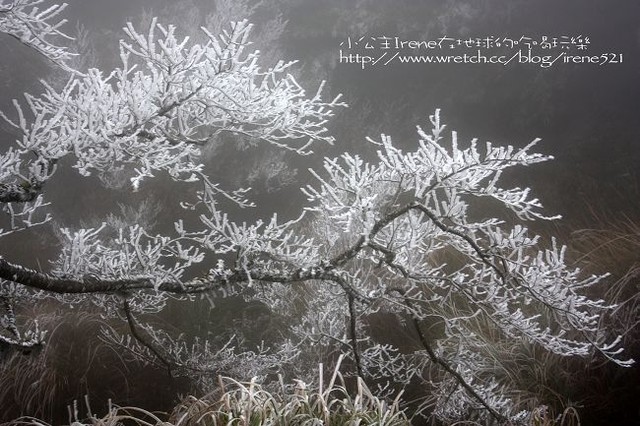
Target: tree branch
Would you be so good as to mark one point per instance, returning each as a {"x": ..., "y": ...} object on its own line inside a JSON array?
[
  {"x": 133, "y": 326},
  {"x": 364, "y": 241},
  {"x": 24, "y": 342},
  {"x": 89, "y": 284},
  {"x": 354, "y": 335},
  {"x": 445, "y": 365},
  {"x": 86, "y": 285}
]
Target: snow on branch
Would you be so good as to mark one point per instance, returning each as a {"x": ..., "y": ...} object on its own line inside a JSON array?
[
  {"x": 408, "y": 236},
  {"x": 414, "y": 217},
  {"x": 36, "y": 28},
  {"x": 154, "y": 113}
]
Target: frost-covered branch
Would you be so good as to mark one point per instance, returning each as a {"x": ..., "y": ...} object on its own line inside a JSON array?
[
  {"x": 406, "y": 238},
  {"x": 38, "y": 29},
  {"x": 156, "y": 111},
  {"x": 137, "y": 334},
  {"x": 11, "y": 334},
  {"x": 411, "y": 217}
]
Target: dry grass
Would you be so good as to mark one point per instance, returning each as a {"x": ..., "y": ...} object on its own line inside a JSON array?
[
  {"x": 607, "y": 391},
  {"x": 616, "y": 249},
  {"x": 250, "y": 404},
  {"x": 73, "y": 363},
  {"x": 33, "y": 383}
]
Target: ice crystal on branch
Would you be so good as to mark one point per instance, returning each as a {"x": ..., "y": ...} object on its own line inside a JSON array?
[
  {"x": 404, "y": 237},
  {"x": 155, "y": 112},
  {"x": 38, "y": 29},
  {"x": 413, "y": 216}
]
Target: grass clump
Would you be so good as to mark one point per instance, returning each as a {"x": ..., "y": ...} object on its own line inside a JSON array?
[
  {"x": 237, "y": 403},
  {"x": 250, "y": 404}
]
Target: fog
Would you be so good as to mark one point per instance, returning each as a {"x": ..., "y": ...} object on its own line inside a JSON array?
[{"x": 586, "y": 114}]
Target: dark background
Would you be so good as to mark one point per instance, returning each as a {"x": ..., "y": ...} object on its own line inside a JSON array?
[{"x": 586, "y": 115}]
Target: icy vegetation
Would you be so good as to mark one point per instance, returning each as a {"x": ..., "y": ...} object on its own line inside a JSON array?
[{"x": 404, "y": 236}]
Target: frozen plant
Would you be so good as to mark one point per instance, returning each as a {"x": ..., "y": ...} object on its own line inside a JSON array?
[
  {"x": 156, "y": 112},
  {"x": 38, "y": 29},
  {"x": 403, "y": 236},
  {"x": 169, "y": 98},
  {"x": 403, "y": 216}
]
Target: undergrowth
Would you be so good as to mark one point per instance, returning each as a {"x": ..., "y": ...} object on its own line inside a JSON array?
[{"x": 236, "y": 403}]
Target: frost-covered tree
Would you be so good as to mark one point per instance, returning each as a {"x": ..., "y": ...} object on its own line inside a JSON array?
[
  {"x": 38, "y": 29},
  {"x": 405, "y": 236},
  {"x": 155, "y": 113}
]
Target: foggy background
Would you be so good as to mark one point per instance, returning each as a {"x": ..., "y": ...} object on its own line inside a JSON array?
[{"x": 586, "y": 115}]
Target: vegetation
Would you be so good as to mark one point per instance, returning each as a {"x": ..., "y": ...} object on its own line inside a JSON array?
[
  {"x": 406, "y": 238},
  {"x": 236, "y": 403}
]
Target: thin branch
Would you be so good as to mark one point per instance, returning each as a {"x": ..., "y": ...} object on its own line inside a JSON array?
[
  {"x": 354, "y": 335},
  {"x": 445, "y": 365},
  {"x": 137, "y": 334},
  {"x": 441, "y": 362}
]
